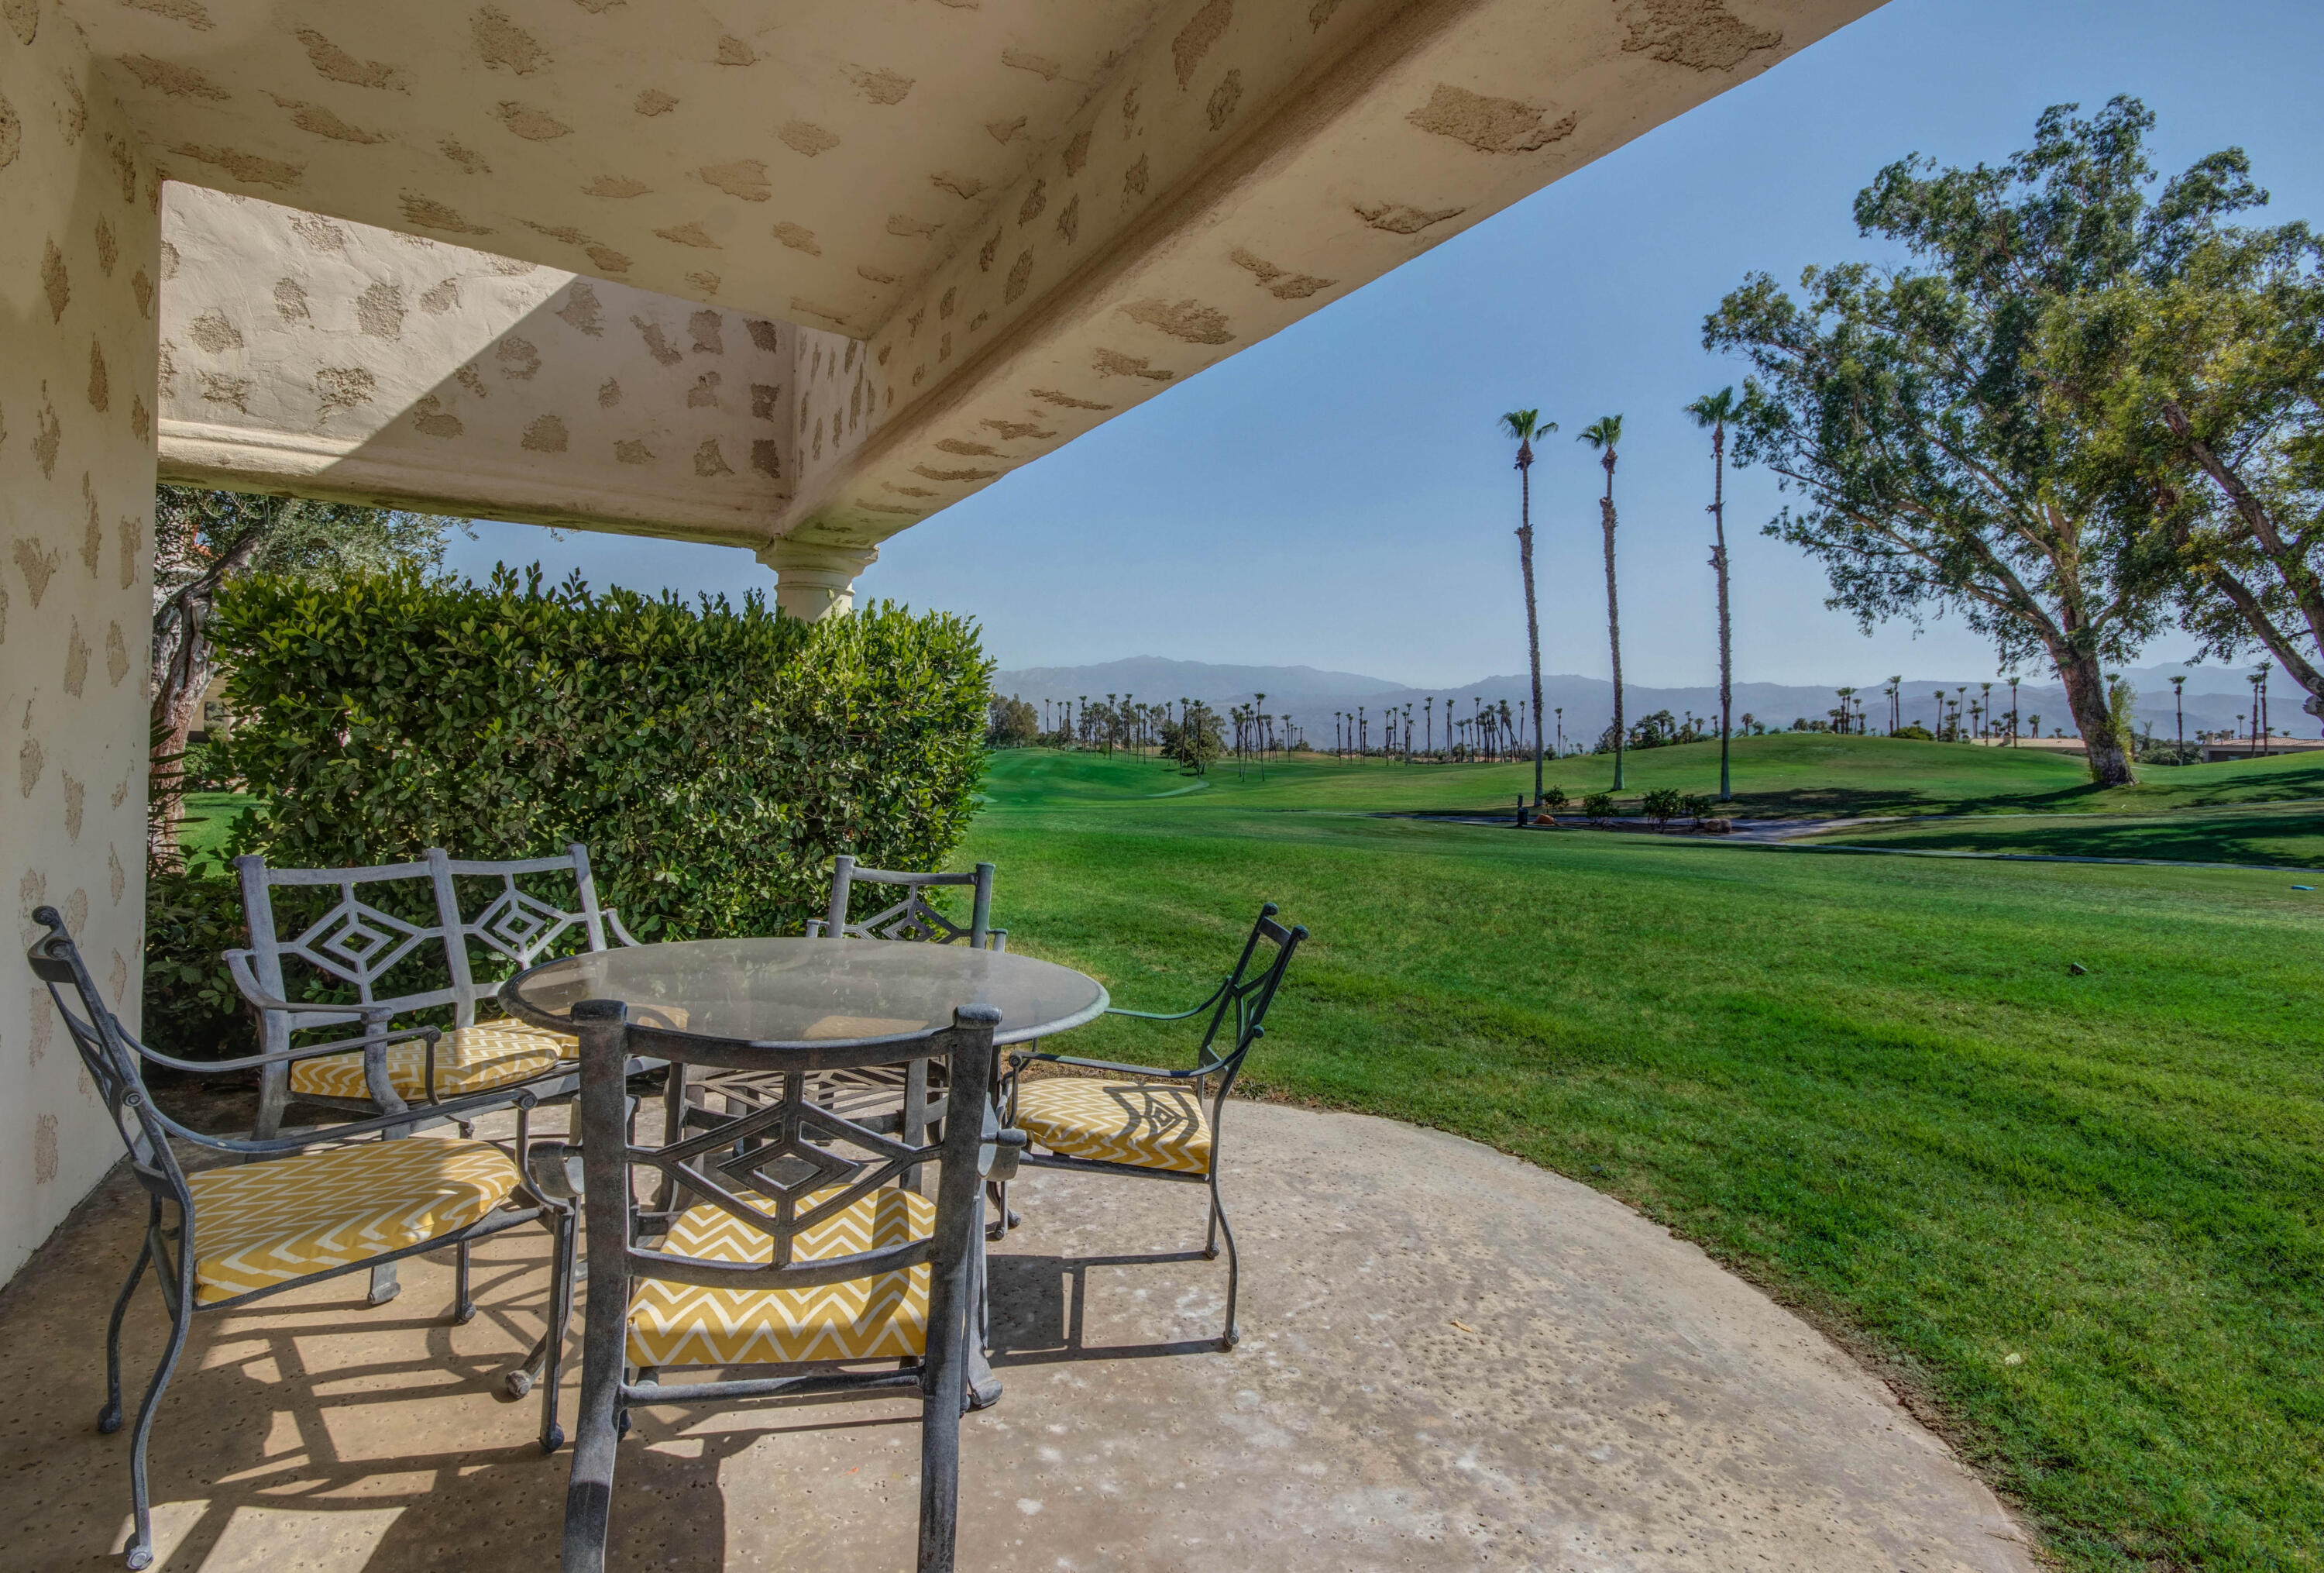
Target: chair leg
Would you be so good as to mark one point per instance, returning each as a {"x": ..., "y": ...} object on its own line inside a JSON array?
[
  {"x": 108, "y": 1419},
  {"x": 1219, "y": 1225},
  {"x": 463, "y": 1307},
  {"x": 384, "y": 1284},
  {"x": 139, "y": 1553},
  {"x": 273, "y": 1097},
  {"x": 561, "y": 1317}
]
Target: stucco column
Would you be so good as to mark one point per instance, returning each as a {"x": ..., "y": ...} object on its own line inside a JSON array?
[{"x": 812, "y": 581}]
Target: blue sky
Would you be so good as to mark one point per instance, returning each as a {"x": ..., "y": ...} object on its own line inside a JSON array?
[{"x": 1337, "y": 496}]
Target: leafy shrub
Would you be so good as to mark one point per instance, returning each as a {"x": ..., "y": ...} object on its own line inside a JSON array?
[
  {"x": 191, "y": 1008},
  {"x": 1554, "y": 798},
  {"x": 1696, "y": 805},
  {"x": 1916, "y": 732},
  {"x": 1597, "y": 807},
  {"x": 1661, "y": 805},
  {"x": 712, "y": 760}
]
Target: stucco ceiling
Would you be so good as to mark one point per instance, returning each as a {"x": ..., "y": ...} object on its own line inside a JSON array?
[{"x": 812, "y": 160}]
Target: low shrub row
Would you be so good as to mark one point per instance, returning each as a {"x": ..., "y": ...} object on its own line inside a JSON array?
[{"x": 713, "y": 760}]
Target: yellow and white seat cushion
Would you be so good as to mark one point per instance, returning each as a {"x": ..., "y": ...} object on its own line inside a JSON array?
[
  {"x": 468, "y": 1059},
  {"x": 261, "y": 1224},
  {"x": 878, "y": 1318},
  {"x": 1151, "y": 1126}
]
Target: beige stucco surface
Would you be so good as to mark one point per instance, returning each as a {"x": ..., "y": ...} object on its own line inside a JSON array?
[
  {"x": 77, "y": 410},
  {"x": 372, "y": 365}
]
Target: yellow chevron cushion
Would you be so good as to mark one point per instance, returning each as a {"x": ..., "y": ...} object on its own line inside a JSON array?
[
  {"x": 468, "y": 1059},
  {"x": 865, "y": 1319},
  {"x": 262, "y": 1224},
  {"x": 1117, "y": 1122}
]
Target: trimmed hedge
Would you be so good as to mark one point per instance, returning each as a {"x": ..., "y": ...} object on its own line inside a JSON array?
[{"x": 712, "y": 760}]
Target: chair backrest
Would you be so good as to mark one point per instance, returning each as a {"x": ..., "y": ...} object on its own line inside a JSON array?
[
  {"x": 784, "y": 1154},
  {"x": 519, "y": 923},
  {"x": 1249, "y": 989},
  {"x": 400, "y": 935},
  {"x": 111, "y": 1058},
  {"x": 383, "y": 936},
  {"x": 911, "y": 918}
]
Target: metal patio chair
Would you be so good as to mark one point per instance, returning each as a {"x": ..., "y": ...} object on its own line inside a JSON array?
[
  {"x": 407, "y": 945},
  {"x": 295, "y": 1211},
  {"x": 900, "y": 1100},
  {"x": 774, "y": 1249},
  {"x": 1154, "y": 1125}
]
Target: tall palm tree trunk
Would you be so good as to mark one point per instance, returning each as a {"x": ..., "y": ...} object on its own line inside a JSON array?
[
  {"x": 1613, "y": 619},
  {"x": 1533, "y": 620},
  {"x": 1726, "y": 641}
]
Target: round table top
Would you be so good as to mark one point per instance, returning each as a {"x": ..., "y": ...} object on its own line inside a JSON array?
[{"x": 797, "y": 992}]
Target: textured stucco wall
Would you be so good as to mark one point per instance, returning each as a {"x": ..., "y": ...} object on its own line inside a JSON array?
[
  {"x": 349, "y": 361},
  {"x": 77, "y": 265}
]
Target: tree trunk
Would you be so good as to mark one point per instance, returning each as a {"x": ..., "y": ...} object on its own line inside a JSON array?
[
  {"x": 1613, "y": 620},
  {"x": 1726, "y": 646},
  {"x": 1533, "y": 622},
  {"x": 2086, "y": 696}
]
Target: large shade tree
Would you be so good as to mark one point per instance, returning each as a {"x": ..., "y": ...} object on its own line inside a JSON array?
[
  {"x": 1904, "y": 405},
  {"x": 2200, "y": 373},
  {"x": 1524, "y": 425}
]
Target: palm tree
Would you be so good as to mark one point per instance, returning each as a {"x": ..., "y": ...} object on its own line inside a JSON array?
[
  {"x": 1428, "y": 724},
  {"x": 1602, "y": 435},
  {"x": 2179, "y": 700},
  {"x": 1524, "y": 425},
  {"x": 1714, "y": 411},
  {"x": 1847, "y": 699}
]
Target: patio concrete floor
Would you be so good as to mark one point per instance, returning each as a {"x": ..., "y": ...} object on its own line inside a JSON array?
[{"x": 1451, "y": 1359}]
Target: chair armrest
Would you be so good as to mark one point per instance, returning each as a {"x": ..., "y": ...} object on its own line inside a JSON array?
[
  {"x": 815, "y": 928},
  {"x": 997, "y": 940},
  {"x": 614, "y": 919},
  {"x": 1207, "y": 1002},
  {"x": 284, "y": 1056},
  {"x": 238, "y": 962},
  {"x": 271, "y": 1147}
]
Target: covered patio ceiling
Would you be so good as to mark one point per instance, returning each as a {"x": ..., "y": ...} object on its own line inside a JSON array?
[{"x": 990, "y": 224}]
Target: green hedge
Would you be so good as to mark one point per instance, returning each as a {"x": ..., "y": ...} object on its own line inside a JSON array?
[{"x": 712, "y": 760}]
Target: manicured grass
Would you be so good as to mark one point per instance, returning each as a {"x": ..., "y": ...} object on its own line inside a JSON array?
[
  {"x": 209, "y": 816},
  {"x": 1871, "y": 1083},
  {"x": 2285, "y": 835},
  {"x": 1784, "y": 775}
]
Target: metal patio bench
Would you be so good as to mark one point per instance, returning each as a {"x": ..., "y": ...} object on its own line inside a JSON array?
[
  {"x": 775, "y": 1248},
  {"x": 296, "y": 1211},
  {"x": 408, "y": 944},
  {"x": 1153, "y": 1124}
]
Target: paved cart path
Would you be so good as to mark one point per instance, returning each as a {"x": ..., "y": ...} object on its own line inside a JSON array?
[{"x": 1451, "y": 1359}]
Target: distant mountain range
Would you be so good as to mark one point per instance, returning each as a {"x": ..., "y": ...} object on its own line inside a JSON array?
[{"x": 2215, "y": 696}]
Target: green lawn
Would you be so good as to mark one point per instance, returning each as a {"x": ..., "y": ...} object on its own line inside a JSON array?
[
  {"x": 2285, "y": 835},
  {"x": 1790, "y": 775},
  {"x": 1870, "y": 1083}
]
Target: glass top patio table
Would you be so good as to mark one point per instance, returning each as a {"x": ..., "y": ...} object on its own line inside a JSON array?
[{"x": 819, "y": 992}]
